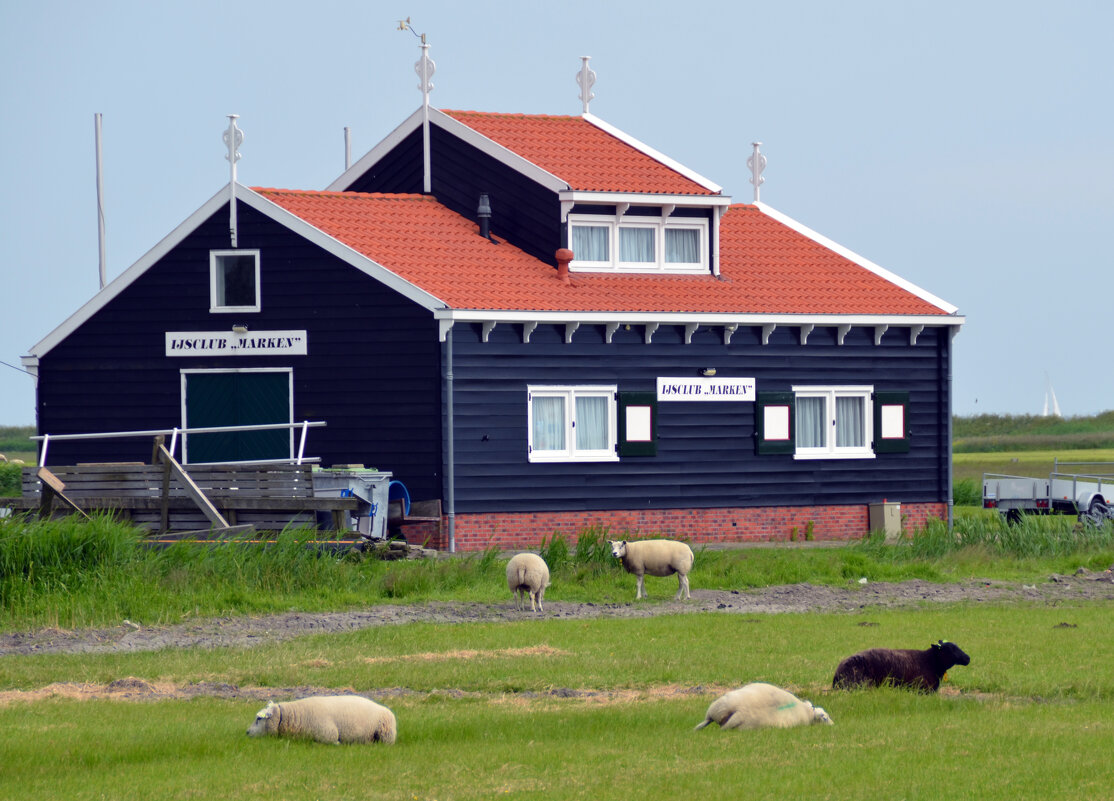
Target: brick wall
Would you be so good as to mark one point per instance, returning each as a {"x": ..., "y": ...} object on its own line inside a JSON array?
[{"x": 526, "y": 530}]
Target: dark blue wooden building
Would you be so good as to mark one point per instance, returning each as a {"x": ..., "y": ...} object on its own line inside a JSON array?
[{"x": 540, "y": 321}]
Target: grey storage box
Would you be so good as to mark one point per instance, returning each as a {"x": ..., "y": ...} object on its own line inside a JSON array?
[{"x": 370, "y": 486}]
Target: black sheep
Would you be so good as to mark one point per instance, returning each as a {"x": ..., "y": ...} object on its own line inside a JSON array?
[{"x": 917, "y": 670}]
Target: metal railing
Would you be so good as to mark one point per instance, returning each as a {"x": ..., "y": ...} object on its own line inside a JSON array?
[{"x": 173, "y": 433}]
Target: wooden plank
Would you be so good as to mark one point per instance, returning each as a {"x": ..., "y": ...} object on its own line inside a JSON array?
[
  {"x": 53, "y": 488},
  {"x": 192, "y": 489}
]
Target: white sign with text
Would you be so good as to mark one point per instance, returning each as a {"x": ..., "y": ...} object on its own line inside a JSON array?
[
  {"x": 705, "y": 389},
  {"x": 231, "y": 343}
]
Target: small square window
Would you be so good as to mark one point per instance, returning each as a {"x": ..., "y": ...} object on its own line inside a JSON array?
[
  {"x": 832, "y": 422},
  {"x": 234, "y": 280}
]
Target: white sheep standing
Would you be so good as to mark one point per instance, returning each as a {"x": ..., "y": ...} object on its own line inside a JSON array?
[
  {"x": 760, "y": 705},
  {"x": 327, "y": 719},
  {"x": 655, "y": 558},
  {"x": 527, "y": 574}
]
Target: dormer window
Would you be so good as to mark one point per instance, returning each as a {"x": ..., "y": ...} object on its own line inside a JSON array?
[
  {"x": 638, "y": 243},
  {"x": 234, "y": 281}
]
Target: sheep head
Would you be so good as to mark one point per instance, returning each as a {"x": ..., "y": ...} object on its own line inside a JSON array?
[
  {"x": 618, "y": 548},
  {"x": 820, "y": 716},
  {"x": 262, "y": 722},
  {"x": 949, "y": 653}
]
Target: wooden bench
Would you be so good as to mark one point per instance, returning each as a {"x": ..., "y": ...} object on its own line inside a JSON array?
[{"x": 168, "y": 496}]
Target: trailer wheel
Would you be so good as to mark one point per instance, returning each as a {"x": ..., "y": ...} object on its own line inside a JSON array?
[
  {"x": 1096, "y": 513},
  {"x": 1013, "y": 517}
]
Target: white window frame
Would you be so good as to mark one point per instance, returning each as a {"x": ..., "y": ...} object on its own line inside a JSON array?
[
  {"x": 830, "y": 450},
  {"x": 659, "y": 226},
  {"x": 214, "y": 260},
  {"x": 571, "y": 453}
]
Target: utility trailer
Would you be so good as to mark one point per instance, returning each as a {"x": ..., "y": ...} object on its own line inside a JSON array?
[{"x": 1084, "y": 489}]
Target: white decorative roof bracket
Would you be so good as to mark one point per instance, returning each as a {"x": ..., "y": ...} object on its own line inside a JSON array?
[
  {"x": 767, "y": 329},
  {"x": 667, "y": 210},
  {"x": 879, "y": 331},
  {"x": 566, "y": 207},
  {"x": 233, "y": 138},
  {"x": 690, "y": 329},
  {"x": 914, "y": 332},
  {"x": 650, "y": 329},
  {"x": 609, "y": 332},
  {"x": 585, "y": 78},
  {"x": 527, "y": 330},
  {"x": 728, "y": 332},
  {"x": 620, "y": 210},
  {"x": 805, "y": 331},
  {"x": 443, "y": 327},
  {"x": 570, "y": 329},
  {"x": 487, "y": 327},
  {"x": 841, "y": 332}
]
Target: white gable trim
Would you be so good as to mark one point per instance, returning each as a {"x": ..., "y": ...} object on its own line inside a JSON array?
[
  {"x": 654, "y": 154},
  {"x": 261, "y": 204},
  {"x": 462, "y": 132},
  {"x": 881, "y": 272},
  {"x": 365, "y": 163}
]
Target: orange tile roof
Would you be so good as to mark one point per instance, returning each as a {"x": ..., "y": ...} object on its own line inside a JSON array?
[
  {"x": 581, "y": 154},
  {"x": 766, "y": 267}
]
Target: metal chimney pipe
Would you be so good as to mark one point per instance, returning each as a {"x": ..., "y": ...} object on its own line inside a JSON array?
[{"x": 483, "y": 215}]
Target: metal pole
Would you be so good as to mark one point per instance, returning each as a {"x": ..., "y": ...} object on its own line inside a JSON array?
[
  {"x": 100, "y": 201},
  {"x": 450, "y": 451},
  {"x": 347, "y": 148}
]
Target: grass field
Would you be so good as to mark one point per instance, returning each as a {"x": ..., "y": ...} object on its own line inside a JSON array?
[{"x": 598, "y": 709}]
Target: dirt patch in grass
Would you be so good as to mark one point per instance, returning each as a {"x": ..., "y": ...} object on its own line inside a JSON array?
[
  {"x": 444, "y": 656},
  {"x": 246, "y": 632}
]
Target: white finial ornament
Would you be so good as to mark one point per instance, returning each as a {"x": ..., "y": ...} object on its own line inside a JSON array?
[
  {"x": 425, "y": 69},
  {"x": 586, "y": 78},
  {"x": 233, "y": 138},
  {"x": 757, "y": 163}
]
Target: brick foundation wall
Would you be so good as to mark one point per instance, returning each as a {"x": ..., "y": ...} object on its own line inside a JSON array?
[{"x": 526, "y": 530}]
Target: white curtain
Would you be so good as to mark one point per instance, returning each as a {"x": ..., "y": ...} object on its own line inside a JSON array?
[
  {"x": 590, "y": 243},
  {"x": 636, "y": 244},
  {"x": 812, "y": 417},
  {"x": 591, "y": 423},
  {"x": 682, "y": 246},
  {"x": 548, "y": 423},
  {"x": 850, "y": 423}
]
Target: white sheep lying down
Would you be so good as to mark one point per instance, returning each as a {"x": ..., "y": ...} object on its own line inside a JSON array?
[
  {"x": 327, "y": 719},
  {"x": 655, "y": 558},
  {"x": 527, "y": 574},
  {"x": 760, "y": 705}
]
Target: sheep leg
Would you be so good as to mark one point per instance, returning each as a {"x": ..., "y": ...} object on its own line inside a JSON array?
[
  {"x": 682, "y": 586},
  {"x": 533, "y": 608},
  {"x": 641, "y": 587}
]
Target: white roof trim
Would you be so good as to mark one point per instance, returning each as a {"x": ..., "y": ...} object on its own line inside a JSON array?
[
  {"x": 881, "y": 272},
  {"x": 407, "y": 127},
  {"x": 261, "y": 204},
  {"x": 654, "y": 154},
  {"x": 698, "y": 318},
  {"x": 497, "y": 151},
  {"x": 342, "y": 251},
  {"x": 643, "y": 199}
]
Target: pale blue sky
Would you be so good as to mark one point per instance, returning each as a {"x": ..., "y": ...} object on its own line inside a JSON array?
[{"x": 965, "y": 146}]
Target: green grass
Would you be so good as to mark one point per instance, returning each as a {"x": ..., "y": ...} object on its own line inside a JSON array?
[
  {"x": 75, "y": 574},
  {"x": 1022, "y": 721}
]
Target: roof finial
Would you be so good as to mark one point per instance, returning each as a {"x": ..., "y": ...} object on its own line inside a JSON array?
[
  {"x": 233, "y": 138},
  {"x": 585, "y": 78},
  {"x": 425, "y": 69},
  {"x": 757, "y": 163}
]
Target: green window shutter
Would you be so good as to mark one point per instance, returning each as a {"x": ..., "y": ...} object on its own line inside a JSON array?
[
  {"x": 775, "y": 418},
  {"x": 638, "y": 424},
  {"x": 891, "y": 422}
]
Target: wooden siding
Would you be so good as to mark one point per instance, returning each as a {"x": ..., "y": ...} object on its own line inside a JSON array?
[
  {"x": 372, "y": 371},
  {"x": 400, "y": 171},
  {"x": 706, "y": 451}
]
